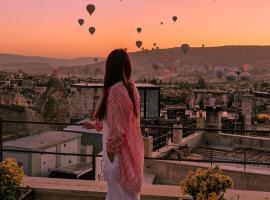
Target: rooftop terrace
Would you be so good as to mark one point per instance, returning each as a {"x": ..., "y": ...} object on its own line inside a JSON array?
[{"x": 59, "y": 189}]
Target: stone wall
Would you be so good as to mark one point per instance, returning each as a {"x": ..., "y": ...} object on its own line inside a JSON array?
[
  {"x": 67, "y": 189},
  {"x": 172, "y": 172},
  {"x": 18, "y": 113},
  {"x": 13, "y": 113},
  {"x": 60, "y": 189}
]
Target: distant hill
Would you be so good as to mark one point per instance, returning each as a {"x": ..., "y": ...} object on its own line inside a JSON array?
[
  {"x": 188, "y": 67},
  {"x": 227, "y": 56},
  {"x": 13, "y": 58},
  {"x": 183, "y": 67}
]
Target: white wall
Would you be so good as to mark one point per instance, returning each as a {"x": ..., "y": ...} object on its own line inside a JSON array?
[
  {"x": 47, "y": 162},
  {"x": 21, "y": 158},
  {"x": 99, "y": 168},
  {"x": 69, "y": 147}
]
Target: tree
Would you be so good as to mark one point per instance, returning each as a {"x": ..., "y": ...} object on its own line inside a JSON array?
[{"x": 265, "y": 85}]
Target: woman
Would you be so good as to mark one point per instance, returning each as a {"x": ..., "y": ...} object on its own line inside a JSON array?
[{"x": 118, "y": 116}]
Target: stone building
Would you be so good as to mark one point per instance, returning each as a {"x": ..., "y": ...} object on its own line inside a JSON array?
[
  {"x": 85, "y": 97},
  {"x": 51, "y": 141}
]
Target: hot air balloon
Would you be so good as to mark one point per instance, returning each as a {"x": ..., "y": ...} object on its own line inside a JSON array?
[
  {"x": 157, "y": 65},
  {"x": 231, "y": 76},
  {"x": 174, "y": 18},
  {"x": 166, "y": 57},
  {"x": 125, "y": 49},
  {"x": 207, "y": 66},
  {"x": 245, "y": 67},
  {"x": 90, "y": 8},
  {"x": 165, "y": 74},
  {"x": 185, "y": 48},
  {"x": 139, "y": 29},
  {"x": 161, "y": 23},
  {"x": 157, "y": 47},
  {"x": 139, "y": 44},
  {"x": 154, "y": 44},
  {"x": 220, "y": 72},
  {"x": 226, "y": 69},
  {"x": 245, "y": 76},
  {"x": 81, "y": 21},
  {"x": 142, "y": 48},
  {"x": 92, "y": 30}
]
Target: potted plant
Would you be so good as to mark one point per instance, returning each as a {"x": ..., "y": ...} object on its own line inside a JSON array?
[
  {"x": 11, "y": 176},
  {"x": 206, "y": 184}
]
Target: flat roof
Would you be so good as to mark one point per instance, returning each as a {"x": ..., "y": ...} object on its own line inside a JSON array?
[
  {"x": 80, "y": 129},
  {"x": 76, "y": 168},
  {"x": 42, "y": 140},
  {"x": 210, "y": 91},
  {"x": 261, "y": 94},
  {"x": 100, "y": 85}
]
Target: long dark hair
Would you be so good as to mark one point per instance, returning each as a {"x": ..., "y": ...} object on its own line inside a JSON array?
[{"x": 118, "y": 68}]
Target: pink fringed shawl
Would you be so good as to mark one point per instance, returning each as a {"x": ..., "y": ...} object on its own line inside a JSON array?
[{"x": 123, "y": 122}]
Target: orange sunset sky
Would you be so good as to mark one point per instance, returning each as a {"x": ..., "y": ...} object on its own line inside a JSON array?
[{"x": 50, "y": 27}]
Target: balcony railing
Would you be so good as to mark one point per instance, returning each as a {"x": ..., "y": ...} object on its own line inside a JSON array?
[{"x": 159, "y": 141}]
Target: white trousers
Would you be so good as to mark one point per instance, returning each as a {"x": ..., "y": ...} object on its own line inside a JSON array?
[{"x": 115, "y": 190}]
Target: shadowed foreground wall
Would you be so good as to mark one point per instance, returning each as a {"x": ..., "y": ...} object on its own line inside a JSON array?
[{"x": 60, "y": 189}]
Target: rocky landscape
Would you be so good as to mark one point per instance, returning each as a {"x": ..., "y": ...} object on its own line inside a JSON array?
[{"x": 173, "y": 64}]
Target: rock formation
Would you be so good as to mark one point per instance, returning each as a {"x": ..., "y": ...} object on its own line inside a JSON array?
[{"x": 53, "y": 103}]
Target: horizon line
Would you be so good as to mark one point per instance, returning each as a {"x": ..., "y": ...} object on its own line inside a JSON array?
[{"x": 131, "y": 52}]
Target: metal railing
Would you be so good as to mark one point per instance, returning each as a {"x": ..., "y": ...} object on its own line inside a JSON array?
[{"x": 211, "y": 160}]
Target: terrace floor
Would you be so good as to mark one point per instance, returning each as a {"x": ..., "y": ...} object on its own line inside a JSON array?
[{"x": 233, "y": 154}]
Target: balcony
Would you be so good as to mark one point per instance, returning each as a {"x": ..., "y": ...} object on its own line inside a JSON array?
[
  {"x": 167, "y": 170},
  {"x": 65, "y": 189}
]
